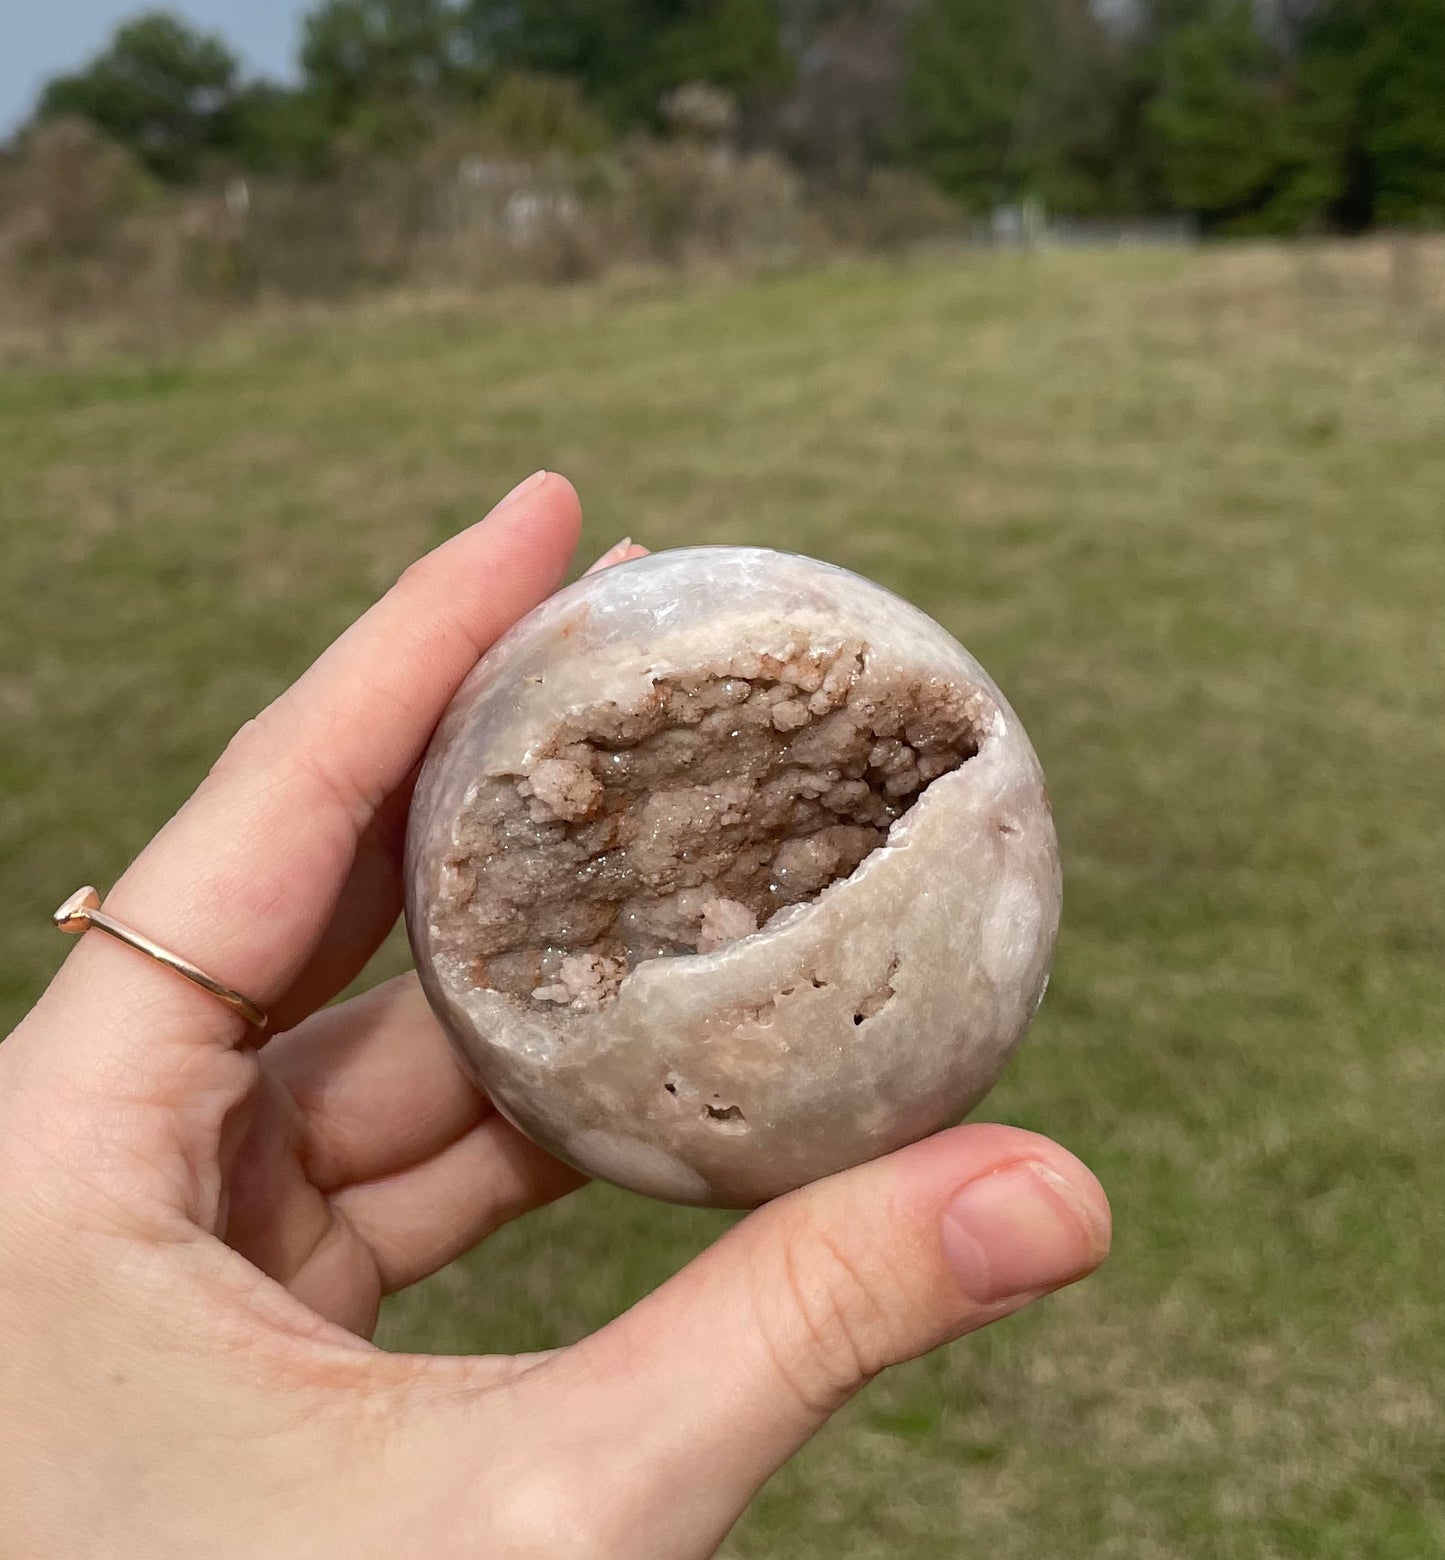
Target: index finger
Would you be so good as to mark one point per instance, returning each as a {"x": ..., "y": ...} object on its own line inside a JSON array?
[{"x": 243, "y": 880}]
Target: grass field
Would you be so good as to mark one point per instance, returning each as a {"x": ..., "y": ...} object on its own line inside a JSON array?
[{"x": 1190, "y": 511}]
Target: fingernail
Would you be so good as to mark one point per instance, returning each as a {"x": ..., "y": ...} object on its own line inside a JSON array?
[
  {"x": 524, "y": 486},
  {"x": 1020, "y": 1230},
  {"x": 614, "y": 554}
]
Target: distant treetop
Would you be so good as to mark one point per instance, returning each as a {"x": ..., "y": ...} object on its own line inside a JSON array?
[{"x": 1247, "y": 115}]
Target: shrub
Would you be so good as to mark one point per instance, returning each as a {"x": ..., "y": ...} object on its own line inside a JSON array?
[
  {"x": 682, "y": 200},
  {"x": 68, "y": 191}
]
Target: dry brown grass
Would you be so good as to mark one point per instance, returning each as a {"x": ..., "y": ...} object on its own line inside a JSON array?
[{"x": 93, "y": 253}]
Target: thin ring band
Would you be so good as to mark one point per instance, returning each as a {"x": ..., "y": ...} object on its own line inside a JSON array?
[{"x": 82, "y": 911}]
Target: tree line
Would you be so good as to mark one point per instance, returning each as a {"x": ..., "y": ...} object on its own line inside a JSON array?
[{"x": 1247, "y": 115}]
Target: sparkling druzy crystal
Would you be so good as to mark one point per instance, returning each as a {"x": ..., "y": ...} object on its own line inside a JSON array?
[{"x": 728, "y": 869}]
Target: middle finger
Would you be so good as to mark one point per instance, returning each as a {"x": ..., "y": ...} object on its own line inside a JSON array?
[{"x": 377, "y": 1085}]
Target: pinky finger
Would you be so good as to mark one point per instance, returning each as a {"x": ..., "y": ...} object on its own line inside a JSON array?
[{"x": 620, "y": 552}]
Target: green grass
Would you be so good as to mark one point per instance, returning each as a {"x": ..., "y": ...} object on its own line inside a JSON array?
[{"x": 1188, "y": 510}]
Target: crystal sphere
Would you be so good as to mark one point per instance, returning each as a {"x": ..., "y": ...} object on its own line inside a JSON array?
[{"x": 728, "y": 869}]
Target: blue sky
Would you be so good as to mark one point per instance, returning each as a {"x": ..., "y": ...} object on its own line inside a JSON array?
[{"x": 41, "y": 38}]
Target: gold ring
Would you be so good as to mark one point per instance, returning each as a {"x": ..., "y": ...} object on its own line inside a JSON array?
[{"x": 82, "y": 911}]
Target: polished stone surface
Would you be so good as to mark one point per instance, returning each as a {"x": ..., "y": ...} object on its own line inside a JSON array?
[{"x": 728, "y": 869}]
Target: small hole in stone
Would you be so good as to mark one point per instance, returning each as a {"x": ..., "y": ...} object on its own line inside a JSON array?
[
  {"x": 1006, "y": 827},
  {"x": 670, "y": 1086},
  {"x": 877, "y": 1000},
  {"x": 724, "y": 1112}
]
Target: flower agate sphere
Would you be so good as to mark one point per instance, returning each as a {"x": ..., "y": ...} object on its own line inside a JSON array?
[{"x": 728, "y": 869}]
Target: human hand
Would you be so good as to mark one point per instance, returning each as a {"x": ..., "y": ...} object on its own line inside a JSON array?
[{"x": 195, "y": 1235}]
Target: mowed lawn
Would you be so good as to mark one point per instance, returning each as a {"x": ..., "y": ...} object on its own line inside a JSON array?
[{"x": 1189, "y": 509}]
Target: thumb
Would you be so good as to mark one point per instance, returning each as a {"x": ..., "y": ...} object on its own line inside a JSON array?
[{"x": 729, "y": 1367}]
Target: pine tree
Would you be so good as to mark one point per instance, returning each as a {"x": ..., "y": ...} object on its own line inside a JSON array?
[
  {"x": 160, "y": 88},
  {"x": 1220, "y": 117}
]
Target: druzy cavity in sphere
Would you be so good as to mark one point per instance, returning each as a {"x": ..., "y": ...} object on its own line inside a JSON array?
[{"x": 728, "y": 869}]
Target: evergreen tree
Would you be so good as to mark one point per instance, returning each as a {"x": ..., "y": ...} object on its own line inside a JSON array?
[
  {"x": 1371, "y": 77},
  {"x": 971, "y": 95},
  {"x": 161, "y": 89},
  {"x": 1085, "y": 152},
  {"x": 281, "y": 130},
  {"x": 1403, "y": 111},
  {"x": 626, "y": 54},
  {"x": 1005, "y": 98},
  {"x": 385, "y": 69},
  {"x": 1220, "y": 116},
  {"x": 1252, "y": 114}
]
